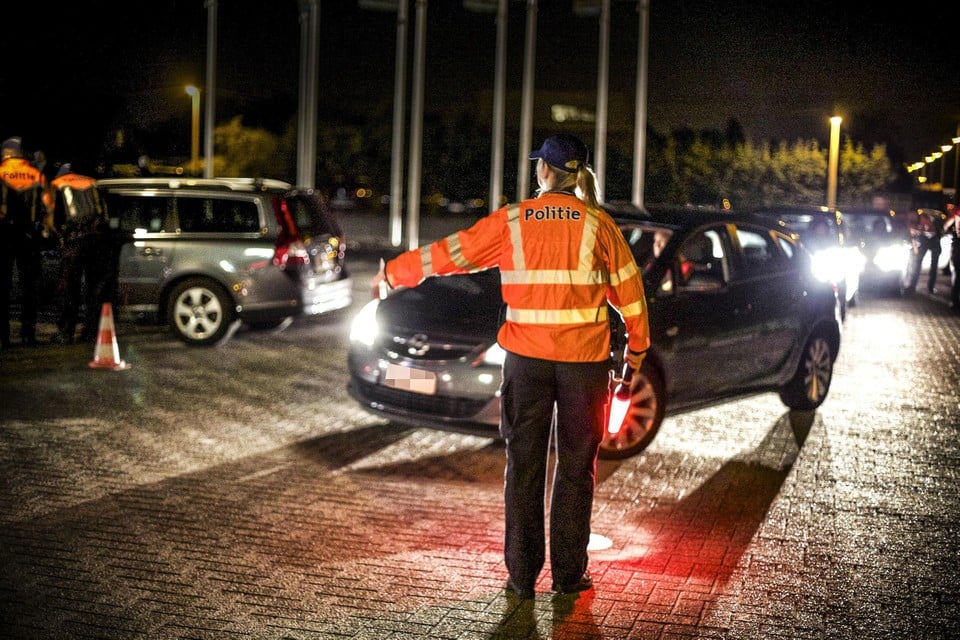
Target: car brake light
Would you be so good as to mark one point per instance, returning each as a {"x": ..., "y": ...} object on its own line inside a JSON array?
[
  {"x": 290, "y": 250},
  {"x": 291, "y": 254}
]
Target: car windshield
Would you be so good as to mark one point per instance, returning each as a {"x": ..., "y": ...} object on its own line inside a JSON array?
[{"x": 867, "y": 227}]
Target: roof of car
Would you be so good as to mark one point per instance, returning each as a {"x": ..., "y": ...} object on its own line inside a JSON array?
[
  {"x": 678, "y": 216},
  {"x": 211, "y": 184}
]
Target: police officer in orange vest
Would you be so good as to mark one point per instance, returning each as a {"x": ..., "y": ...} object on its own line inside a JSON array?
[
  {"x": 85, "y": 269},
  {"x": 24, "y": 220},
  {"x": 952, "y": 226},
  {"x": 562, "y": 259}
]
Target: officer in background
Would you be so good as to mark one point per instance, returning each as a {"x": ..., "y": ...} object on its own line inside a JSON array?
[
  {"x": 24, "y": 222},
  {"x": 926, "y": 232},
  {"x": 952, "y": 227},
  {"x": 85, "y": 268}
]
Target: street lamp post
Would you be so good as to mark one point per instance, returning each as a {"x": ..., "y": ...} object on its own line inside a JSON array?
[
  {"x": 834, "y": 161},
  {"x": 956, "y": 160},
  {"x": 943, "y": 162},
  {"x": 194, "y": 94}
]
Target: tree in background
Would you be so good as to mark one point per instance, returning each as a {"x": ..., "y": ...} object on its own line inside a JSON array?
[
  {"x": 247, "y": 152},
  {"x": 686, "y": 167}
]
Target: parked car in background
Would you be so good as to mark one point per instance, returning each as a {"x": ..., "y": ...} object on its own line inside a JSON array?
[
  {"x": 734, "y": 309},
  {"x": 822, "y": 230},
  {"x": 883, "y": 236},
  {"x": 203, "y": 255}
]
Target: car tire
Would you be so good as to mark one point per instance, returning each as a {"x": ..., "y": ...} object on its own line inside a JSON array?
[
  {"x": 643, "y": 419},
  {"x": 809, "y": 386},
  {"x": 200, "y": 312}
]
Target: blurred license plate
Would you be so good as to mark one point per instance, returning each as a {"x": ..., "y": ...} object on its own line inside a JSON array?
[{"x": 410, "y": 379}]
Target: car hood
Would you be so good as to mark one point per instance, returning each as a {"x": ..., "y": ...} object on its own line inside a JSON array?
[{"x": 462, "y": 306}]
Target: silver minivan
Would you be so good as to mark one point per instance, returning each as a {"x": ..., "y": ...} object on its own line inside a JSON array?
[{"x": 204, "y": 255}]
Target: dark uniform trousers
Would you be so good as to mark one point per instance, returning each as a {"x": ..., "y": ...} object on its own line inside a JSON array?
[
  {"x": 21, "y": 249},
  {"x": 925, "y": 244},
  {"x": 87, "y": 280},
  {"x": 955, "y": 277},
  {"x": 529, "y": 391}
]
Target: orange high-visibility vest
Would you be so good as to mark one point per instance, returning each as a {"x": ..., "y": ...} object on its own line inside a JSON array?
[
  {"x": 21, "y": 191},
  {"x": 560, "y": 263}
]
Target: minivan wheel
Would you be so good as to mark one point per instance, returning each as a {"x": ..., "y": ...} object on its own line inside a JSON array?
[
  {"x": 809, "y": 386},
  {"x": 200, "y": 312},
  {"x": 643, "y": 419}
]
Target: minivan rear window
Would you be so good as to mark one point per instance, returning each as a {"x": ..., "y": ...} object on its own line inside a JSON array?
[
  {"x": 217, "y": 215},
  {"x": 311, "y": 215}
]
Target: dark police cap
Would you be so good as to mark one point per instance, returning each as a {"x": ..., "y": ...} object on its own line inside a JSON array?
[
  {"x": 562, "y": 151},
  {"x": 14, "y": 145}
]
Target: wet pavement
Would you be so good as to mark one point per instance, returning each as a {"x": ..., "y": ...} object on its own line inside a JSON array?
[{"x": 744, "y": 520}]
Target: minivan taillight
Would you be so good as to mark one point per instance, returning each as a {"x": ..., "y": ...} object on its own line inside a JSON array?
[
  {"x": 291, "y": 254},
  {"x": 290, "y": 250}
]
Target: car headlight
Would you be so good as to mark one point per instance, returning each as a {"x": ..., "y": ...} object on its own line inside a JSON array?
[
  {"x": 891, "y": 257},
  {"x": 363, "y": 328},
  {"x": 829, "y": 265},
  {"x": 494, "y": 355}
]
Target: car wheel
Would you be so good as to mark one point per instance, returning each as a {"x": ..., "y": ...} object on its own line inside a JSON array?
[
  {"x": 643, "y": 418},
  {"x": 809, "y": 386},
  {"x": 200, "y": 312}
]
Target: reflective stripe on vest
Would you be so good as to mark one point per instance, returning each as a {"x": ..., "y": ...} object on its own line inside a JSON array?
[{"x": 557, "y": 316}]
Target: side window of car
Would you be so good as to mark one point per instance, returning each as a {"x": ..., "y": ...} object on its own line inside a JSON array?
[
  {"x": 702, "y": 260},
  {"x": 760, "y": 254},
  {"x": 140, "y": 214},
  {"x": 214, "y": 215}
]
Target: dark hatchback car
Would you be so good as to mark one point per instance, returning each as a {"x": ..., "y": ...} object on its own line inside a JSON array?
[
  {"x": 734, "y": 309},
  {"x": 836, "y": 256}
]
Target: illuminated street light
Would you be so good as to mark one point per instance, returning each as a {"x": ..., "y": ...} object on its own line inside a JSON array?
[
  {"x": 194, "y": 94},
  {"x": 834, "y": 161}
]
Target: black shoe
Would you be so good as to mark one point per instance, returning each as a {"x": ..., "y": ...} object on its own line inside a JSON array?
[
  {"x": 523, "y": 594},
  {"x": 29, "y": 341},
  {"x": 931, "y": 290},
  {"x": 61, "y": 338},
  {"x": 583, "y": 584}
]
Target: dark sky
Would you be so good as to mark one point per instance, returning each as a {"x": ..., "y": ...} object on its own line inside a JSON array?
[{"x": 779, "y": 68}]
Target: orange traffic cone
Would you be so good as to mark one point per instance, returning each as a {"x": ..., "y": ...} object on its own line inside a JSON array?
[{"x": 106, "y": 355}]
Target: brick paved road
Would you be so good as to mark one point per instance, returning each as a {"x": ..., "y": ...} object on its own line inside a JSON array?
[{"x": 253, "y": 519}]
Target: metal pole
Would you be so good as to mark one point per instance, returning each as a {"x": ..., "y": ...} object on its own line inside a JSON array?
[
  {"x": 943, "y": 169},
  {"x": 309, "y": 98},
  {"x": 526, "y": 107},
  {"x": 399, "y": 111},
  {"x": 416, "y": 129},
  {"x": 211, "y": 83},
  {"x": 499, "y": 91},
  {"x": 603, "y": 64},
  {"x": 956, "y": 165},
  {"x": 640, "y": 125},
  {"x": 195, "y": 131}
]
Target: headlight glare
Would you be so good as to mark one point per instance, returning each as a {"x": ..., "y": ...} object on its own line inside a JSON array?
[{"x": 363, "y": 328}]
